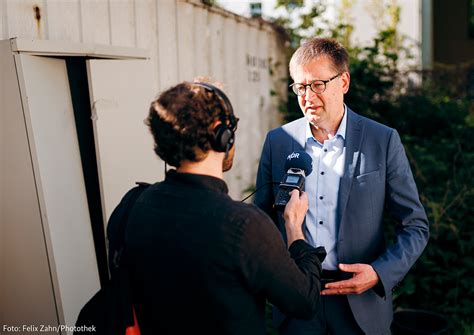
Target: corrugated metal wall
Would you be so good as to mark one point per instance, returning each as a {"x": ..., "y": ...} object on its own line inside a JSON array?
[{"x": 185, "y": 39}]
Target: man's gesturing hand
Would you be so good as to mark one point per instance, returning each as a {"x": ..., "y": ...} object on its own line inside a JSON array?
[{"x": 364, "y": 278}]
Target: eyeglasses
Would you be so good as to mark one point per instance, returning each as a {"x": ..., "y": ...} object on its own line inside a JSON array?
[{"x": 317, "y": 86}]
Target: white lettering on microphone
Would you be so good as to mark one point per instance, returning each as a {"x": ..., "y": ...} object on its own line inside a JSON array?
[{"x": 293, "y": 155}]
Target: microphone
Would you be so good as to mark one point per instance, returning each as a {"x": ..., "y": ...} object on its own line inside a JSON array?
[{"x": 298, "y": 166}]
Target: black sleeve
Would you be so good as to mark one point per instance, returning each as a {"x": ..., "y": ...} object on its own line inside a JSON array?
[{"x": 289, "y": 279}]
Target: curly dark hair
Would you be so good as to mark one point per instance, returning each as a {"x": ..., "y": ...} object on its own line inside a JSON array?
[{"x": 181, "y": 121}]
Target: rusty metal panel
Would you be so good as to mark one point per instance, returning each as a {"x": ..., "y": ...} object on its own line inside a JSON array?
[
  {"x": 167, "y": 44},
  {"x": 120, "y": 95},
  {"x": 185, "y": 27},
  {"x": 202, "y": 33},
  {"x": 25, "y": 19},
  {"x": 229, "y": 56},
  {"x": 229, "y": 61},
  {"x": 263, "y": 84},
  {"x": 26, "y": 289},
  {"x": 50, "y": 124},
  {"x": 62, "y": 48},
  {"x": 146, "y": 30},
  {"x": 122, "y": 23},
  {"x": 278, "y": 72},
  {"x": 239, "y": 177},
  {"x": 216, "y": 26},
  {"x": 95, "y": 21},
  {"x": 255, "y": 103},
  {"x": 63, "y": 20},
  {"x": 3, "y": 19}
]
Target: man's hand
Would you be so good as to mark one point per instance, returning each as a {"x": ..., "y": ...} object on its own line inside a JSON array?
[
  {"x": 364, "y": 278},
  {"x": 295, "y": 212}
]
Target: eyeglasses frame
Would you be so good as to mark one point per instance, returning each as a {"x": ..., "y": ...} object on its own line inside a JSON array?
[{"x": 325, "y": 82}]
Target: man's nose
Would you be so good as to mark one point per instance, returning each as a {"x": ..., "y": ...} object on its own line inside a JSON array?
[{"x": 310, "y": 95}]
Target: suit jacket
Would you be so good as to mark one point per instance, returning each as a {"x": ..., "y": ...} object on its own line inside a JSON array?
[{"x": 377, "y": 177}]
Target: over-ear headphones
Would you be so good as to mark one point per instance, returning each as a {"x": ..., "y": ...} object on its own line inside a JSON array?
[{"x": 224, "y": 133}]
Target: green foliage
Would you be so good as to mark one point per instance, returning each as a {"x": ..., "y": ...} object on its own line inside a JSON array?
[
  {"x": 299, "y": 20},
  {"x": 432, "y": 119},
  {"x": 434, "y": 114}
]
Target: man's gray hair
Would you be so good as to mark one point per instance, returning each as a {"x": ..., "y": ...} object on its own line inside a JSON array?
[{"x": 318, "y": 47}]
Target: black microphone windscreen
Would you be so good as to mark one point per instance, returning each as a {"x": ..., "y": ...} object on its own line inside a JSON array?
[{"x": 299, "y": 160}]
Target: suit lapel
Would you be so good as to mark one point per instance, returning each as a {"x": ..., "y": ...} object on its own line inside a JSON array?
[
  {"x": 299, "y": 136},
  {"x": 353, "y": 141},
  {"x": 297, "y": 132},
  {"x": 293, "y": 139}
]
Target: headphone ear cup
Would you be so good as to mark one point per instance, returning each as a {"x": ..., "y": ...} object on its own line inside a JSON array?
[{"x": 223, "y": 138}]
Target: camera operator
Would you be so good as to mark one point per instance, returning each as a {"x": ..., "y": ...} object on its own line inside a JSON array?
[{"x": 199, "y": 261}]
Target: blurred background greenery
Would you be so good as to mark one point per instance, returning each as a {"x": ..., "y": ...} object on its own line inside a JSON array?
[{"x": 433, "y": 111}]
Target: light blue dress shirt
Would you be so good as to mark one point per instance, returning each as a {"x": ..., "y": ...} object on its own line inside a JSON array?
[{"x": 322, "y": 187}]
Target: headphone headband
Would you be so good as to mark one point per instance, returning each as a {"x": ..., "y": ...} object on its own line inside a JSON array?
[
  {"x": 229, "y": 116},
  {"x": 224, "y": 133}
]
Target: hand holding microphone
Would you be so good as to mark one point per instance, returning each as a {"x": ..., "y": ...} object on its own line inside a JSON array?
[
  {"x": 298, "y": 166},
  {"x": 290, "y": 196},
  {"x": 294, "y": 214}
]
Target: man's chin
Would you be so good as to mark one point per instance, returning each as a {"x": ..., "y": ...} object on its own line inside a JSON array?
[
  {"x": 314, "y": 122},
  {"x": 312, "y": 118}
]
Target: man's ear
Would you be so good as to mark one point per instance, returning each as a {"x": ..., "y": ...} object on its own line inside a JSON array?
[
  {"x": 346, "y": 80},
  {"x": 215, "y": 124}
]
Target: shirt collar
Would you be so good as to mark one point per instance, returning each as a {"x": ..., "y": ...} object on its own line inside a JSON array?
[
  {"x": 197, "y": 180},
  {"x": 341, "y": 131}
]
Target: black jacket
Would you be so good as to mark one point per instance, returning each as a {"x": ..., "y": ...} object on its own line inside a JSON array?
[{"x": 203, "y": 263}]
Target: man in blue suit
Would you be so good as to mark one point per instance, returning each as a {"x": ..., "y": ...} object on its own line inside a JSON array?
[{"x": 360, "y": 169}]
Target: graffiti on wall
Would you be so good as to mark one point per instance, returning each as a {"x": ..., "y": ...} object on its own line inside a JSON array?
[{"x": 255, "y": 65}]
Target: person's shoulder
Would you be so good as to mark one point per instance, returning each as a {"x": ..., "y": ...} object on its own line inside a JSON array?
[
  {"x": 249, "y": 213},
  {"x": 289, "y": 127},
  {"x": 246, "y": 209},
  {"x": 251, "y": 221},
  {"x": 294, "y": 124},
  {"x": 370, "y": 126}
]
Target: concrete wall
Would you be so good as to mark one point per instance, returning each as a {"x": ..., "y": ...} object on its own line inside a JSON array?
[{"x": 185, "y": 39}]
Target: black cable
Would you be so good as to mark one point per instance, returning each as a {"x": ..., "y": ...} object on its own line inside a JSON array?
[{"x": 270, "y": 182}]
